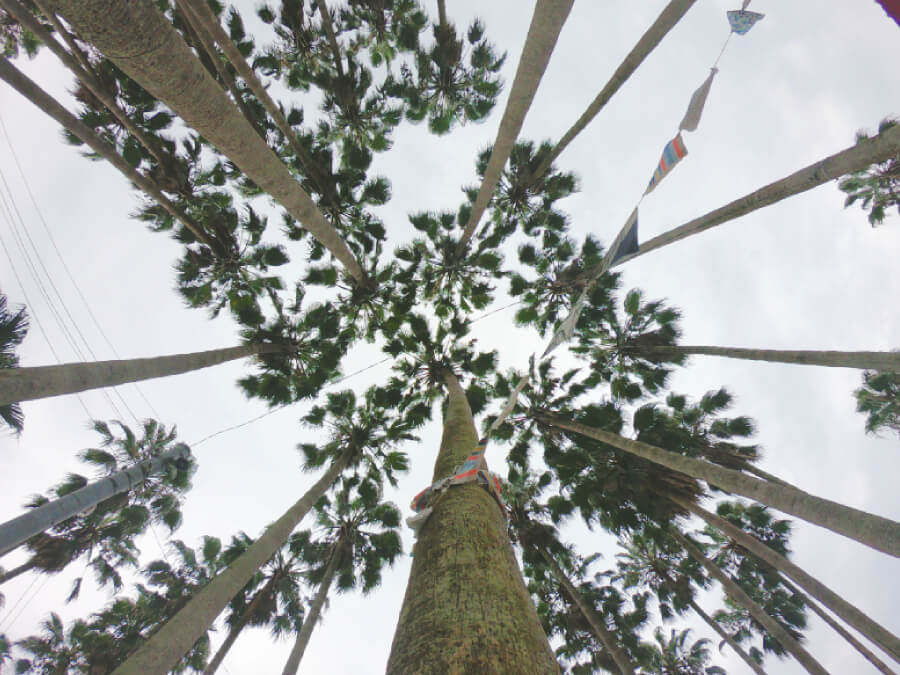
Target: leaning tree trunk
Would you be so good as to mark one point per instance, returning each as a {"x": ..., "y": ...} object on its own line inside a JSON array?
[
  {"x": 880, "y": 533},
  {"x": 27, "y": 384},
  {"x": 546, "y": 23},
  {"x": 884, "y": 361},
  {"x": 163, "y": 650},
  {"x": 138, "y": 38},
  {"x": 880, "y": 148},
  {"x": 665, "y": 22},
  {"x": 25, "y": 86},
  {"x": 17, "y": 531},
  {"x": 466, "y": 608},
  {"x": 846, "y": 611},
  {"x": 843, "y": 632},
  {"x": 598, "y": 627},
  {"x": 315, "y": 611},
  {"x": 236, "y": 629},
  {"x": 16, "y": 571},
  {"x": 725, "y": 635},
  {"x": 775, "y": 629}
]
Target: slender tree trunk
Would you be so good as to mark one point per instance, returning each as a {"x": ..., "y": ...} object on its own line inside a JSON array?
[
  {"x": 880, "y": 533},
  {"x": 16, "y": 571},
  {"x": 315, "y": 611},
  {"x": 236, "y": 629},
  {"x": 332, "y": 37},
  {"x": 741, "y": 598},
  {"x": 877, "y": 149},
  {"x": 67, "y": 37},
  {"x": 138, "y": 39},
  {"x": 883, "y": 361},
  {"x": 27, "y": 384},
  {"x": 843, "y": 632},
  {"x": 163, "y": 650},
  {"x": 665, "y": 22},
  {"x": 442, "y": 13},
  {"x": 466, "y": 608},
  {"x": 546, "y": 23},
  {"x": 759, "y": 473},
  {"x": 25, "y": 86},
  {"x": 598, "y": 627},
  {"x": 846, "y": 611},
  {"x": 725, "y": 635},
  {"x": 17, "y": 531}
]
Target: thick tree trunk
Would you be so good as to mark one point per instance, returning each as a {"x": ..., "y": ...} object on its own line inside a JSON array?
[
  {"x": 598, "y": 626},
  {"x": 16, "y": 571},
  {"x": 884, "y": 361},
  {"x": 315, "y": 611},
  {"x": 466, "y": 608},
  {"x": 137, "y": 38},
  {"x": 725, "y": 635},
  {"x": 546, "y": 23},
  {"x": 741, "y": 598},
  {"x": 27, "y": 384},
  {"x": 665, "y": 22},
  {"x": 25, "y": 86},
  {"x": 879, "y": 148},
  {"x": 880, "y": 533},
  {"x": 17, "y": 531},
  {"x": 843, "y": 632},
  {"x": 163, "y": 650},
  {"x": 846, "y": 611},
  {"x": 759, "y": 473},
  {"x": 236, "y": 629}
]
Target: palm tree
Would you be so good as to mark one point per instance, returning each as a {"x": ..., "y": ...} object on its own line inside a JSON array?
[
  {"x": 358, "y": 537},
  {"x": 879, "y": 399},
  {"x": 391, "y": 27},
  {"x": 888, "y": 361},
  {"x": 676, "y": 656},
  {"x": 139, "y": 29},
  {"x": 877, "y": 187},
  {"x": 28, "y": 384},
  {"x": 13, "y": 329}
]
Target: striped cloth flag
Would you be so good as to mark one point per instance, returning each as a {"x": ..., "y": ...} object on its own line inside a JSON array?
[{"x": 673, "y": 153}]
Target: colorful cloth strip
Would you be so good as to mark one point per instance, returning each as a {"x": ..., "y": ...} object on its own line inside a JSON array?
[
  {"x": 742, "y": 20},
  {"x": 673, "y": 153}
]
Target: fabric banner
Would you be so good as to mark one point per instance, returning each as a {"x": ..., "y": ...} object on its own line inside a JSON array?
[
  {"x": 673, "y": 153},
  {"x": 695, "y": 108},
  {"x": 567, "y": 328},
  {"x": 743, "y": 20},
  {"x": 509, "y": 405},
  {"x": 892, "y": 7},
  {"x": 626, "y": 242}
]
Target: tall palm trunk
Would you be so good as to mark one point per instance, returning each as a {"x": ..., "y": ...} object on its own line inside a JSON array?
[
  {"x": 725, "y": 635},
  {"x": 315, "y": 611},
  {"x": 17, "y": 531},
  {"x": 16, "y": 571},
  {"x": 236, "y": 629},
  {"x": 546, "y": 23},
  {"x": 163, "y": 650},
  {"x": 843, "y": 632},
  {"x": 759, "y": 473},
  {"x": 138, "y": 39},
  {"x": 442, "y": 13},
  {"x": 879, "y": 148},
  {"x": 665, "y": 22},
  {"x": 27, "y": 384},
  {"x": 880, "y": 533},
  {"x": 25, "y": 86},
  {"x": 332, "y": 37},
  {"x": 466, "y": 608},
  {"x": 846, "y": 611},
  {"x": 598, "y": 627},
  {"x": 737, "y": 594},
  {"x": 883, "y": 361}
]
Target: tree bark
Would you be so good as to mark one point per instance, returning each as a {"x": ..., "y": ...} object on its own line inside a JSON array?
[
  {"x": 665, "y": 22},
  {"x": 843, "y": 632},
  {"x": 236, "y": 629},
  {"x": 883, "y": 361},
  {"x": 25, "y": 86},
  {"x": 332, "y": 37},
  {"x": 27, "y": 384},
  {"x": 880, "y": 533},
  {"x": 879, "y": 148},
  {"x": 163, "y": 650},
  {"x": 546, "y": 23},
  {"x": 16, "y": 571},
  {"x": 138, "y": 39},
  {"x": 725, "y": 635},
  {"x": 315, "y": 610},
  {"x": 17, "y": 531},
  {"x": 739, "y": 596},
  {"x": 442, "y": 13},
  {"x": 466, "y": 608},
  {"x": 846, "y": 611},
  {"x": 598, "y": 627}
]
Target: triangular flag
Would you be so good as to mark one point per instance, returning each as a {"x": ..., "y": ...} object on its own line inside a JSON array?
[
  {"x": 673, "y": 153},
  {"x": 627, "y": 241},
  {"x": 742, "y": 20},
  {"x": 892, "y": 7},
  {"x": 509, "y": 405},
  {"x": 567, "y": 328},
  {"x": 695, "y": 108}
]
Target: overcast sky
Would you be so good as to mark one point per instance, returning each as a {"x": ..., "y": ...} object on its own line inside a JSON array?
[{"x": 804, "y": 273}]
